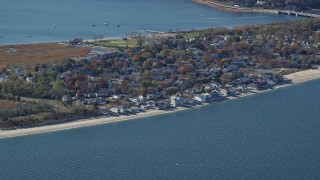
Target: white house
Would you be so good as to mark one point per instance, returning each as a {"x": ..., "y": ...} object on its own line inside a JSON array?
[
  {"x": 141, "y": 98},
  {"x": 224, "y": 92},
  {"x": 270, "y": 82},
  {"x": 123, "y": 109},
  {"x": 200, "y": 98},
  {"x": 119, "y": 109},
  {"x": 114, "y": 97},
  {"x": 30, "y": 79},
  {"x": 176, "y": 101},
  {"x": 115, "y": 110},
  {"x": 261, "y": 2},
  {"x": 135, "y": 100},
  {"x": 252, "y": 86}
]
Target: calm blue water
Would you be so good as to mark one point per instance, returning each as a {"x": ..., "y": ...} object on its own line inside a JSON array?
[
  {"x": 28, "y": 21},
  {"x": 274, "y": 135}
]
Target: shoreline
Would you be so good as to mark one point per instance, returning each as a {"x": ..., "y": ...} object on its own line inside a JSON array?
[
  {"x": 227, "y": 8},
  {"x": 221, "y": 7},
  {"x": 296, "y": 78}
]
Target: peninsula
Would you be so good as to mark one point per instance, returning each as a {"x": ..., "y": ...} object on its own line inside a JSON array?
[{"x": 133, "y": 77}]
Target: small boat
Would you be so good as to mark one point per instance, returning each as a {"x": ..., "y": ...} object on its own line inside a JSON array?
[
  {"x": 29, "y": 36},
  {"x": 118, "y": 25},
  {"x": 93, "y": 25},
  {"x": 54, "y": 25},
  {"x": 105, "y": 23}
]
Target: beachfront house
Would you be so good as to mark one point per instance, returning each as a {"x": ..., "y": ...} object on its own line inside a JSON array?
[
  {"x": 175, "y": 101},
  {"x": 200, "y": 98},
  {"x": 251, "y": 86},
  {"x": 224, "y": 92},
  {"x": 270, "y": 82},
  {"x": 119, "y": 110}
]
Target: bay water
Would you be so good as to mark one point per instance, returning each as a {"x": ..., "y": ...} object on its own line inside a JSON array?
[
  {"x": 273, "y": 135},
  {"x": 34, "y": 21}
]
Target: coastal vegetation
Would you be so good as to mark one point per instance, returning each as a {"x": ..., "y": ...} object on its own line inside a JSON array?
[
  {"x": 32, "y": 54},
  {"x": 154, "y": 72},
  {"x": 118, "y": 42}
]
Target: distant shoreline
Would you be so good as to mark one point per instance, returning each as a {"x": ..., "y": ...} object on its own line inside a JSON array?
[
  {"x": 222, "y": 7},
  {"x": 295, "y": 78},
  {"x": 253, "y": 10}
]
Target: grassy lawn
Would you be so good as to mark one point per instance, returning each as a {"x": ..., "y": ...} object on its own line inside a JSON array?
[
  {"x": 195, "y": 33},
  {"x": 118, "y": 43},
  {"x": 6, "y": 104},
  {"x": 30, "y": 54}
]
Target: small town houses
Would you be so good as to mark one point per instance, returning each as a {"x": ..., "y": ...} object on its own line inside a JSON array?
[{"x": 174, "y": 71}]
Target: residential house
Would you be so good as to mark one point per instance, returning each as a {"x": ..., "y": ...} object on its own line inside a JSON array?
[
  {"x": 141, "y": 97},
  {"x": 176, "y": 101},
  {"x": 200, "y": 98}
]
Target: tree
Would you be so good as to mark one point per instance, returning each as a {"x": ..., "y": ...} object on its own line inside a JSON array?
[
  {"x": 140, "y": 42},
  {"x": 227, "y": 78},
  {"x": 76, "y": 41},
  {"x": 146, "y": 64},
  {"x": 124, "y": 85},
  {"x": 207, "y": 58}
]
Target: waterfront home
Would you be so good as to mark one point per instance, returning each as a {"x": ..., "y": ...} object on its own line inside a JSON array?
[
  {"x": 175, "y": 101},
  {"x": 119, "y": 110},
  {"x": 200, "y": 98},
  {"x": 251, "y": 86},
  {"x": 105, "y": 112},
  {"x": 144, "y": 106},
  {"x": 134, "y": 109},
  {"x": 224, "y": 92},
  {"x": 241, "y": 88},
  {"x": 115, "y": 110},
  {"x": 270, "y": 82},
  {"x": 161, "y": 105}
]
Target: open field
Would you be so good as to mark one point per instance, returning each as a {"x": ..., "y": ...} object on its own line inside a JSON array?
[
  {"x": 28, "y": 54},
  {"x": 118, "y": 43},
  {"x": 6, "y": 104}
]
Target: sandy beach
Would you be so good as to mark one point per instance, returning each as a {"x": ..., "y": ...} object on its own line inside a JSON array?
[{"x": 296, "y": 78}]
